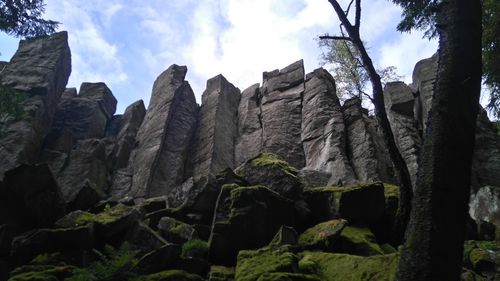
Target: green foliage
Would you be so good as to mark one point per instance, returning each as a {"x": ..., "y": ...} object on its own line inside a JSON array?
[
  {"x": 44, "y": 273},
  {"x": 351, "y": 77},
  {"x": 273, "y": 160},
  {"x": 23, "y": 18},
  {"x": 116, "y": 264},
  {"x": 110, "y": 214},
  {"x": 195, "y": 248}
]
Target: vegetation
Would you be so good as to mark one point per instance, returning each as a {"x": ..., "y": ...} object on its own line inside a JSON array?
[
  {"x": 270, "y": 159},
  {"x": 252, "y": 264},
  {"x": 171, "y": 275},
  {"x": 195, "y": 248},
  {"x": 110, "y": 214},
  {"x": 23, "y": 18}
]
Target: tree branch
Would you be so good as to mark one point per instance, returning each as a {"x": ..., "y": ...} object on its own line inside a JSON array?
[
  {"x": 357, "y": 20},
  {"x": 328, "y": 37},
  {"x": 348, "y": 8},
  {"x": 341, "y": 14}
]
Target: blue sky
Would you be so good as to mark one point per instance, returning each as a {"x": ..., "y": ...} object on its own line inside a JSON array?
[{"x": 128, "y": 43}]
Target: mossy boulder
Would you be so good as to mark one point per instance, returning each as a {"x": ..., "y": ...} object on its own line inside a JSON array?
[
  {"x": 171, "y": 275},
  {"x": 252, "y": 264},
  {"x": 363, "y": 203},
  {"x": 482, "y": 256},
  {"x": 144, "y": 239},
  {"x": 43, "y": 273},
  {"x": 322, "y": 236},
  {"x": 283, "y": 276},
  {"x": 160, "y": 259},
  {"x": 176, "y": 231},
  {"x": 246, "y": 218},
  {"x": 341, "y": 267},
  {"x": 33, "y": 243},
  {"x": 359, "y": 241},
  {"x": 221, "y": 273},
  {"x": 271, "y": 171}
]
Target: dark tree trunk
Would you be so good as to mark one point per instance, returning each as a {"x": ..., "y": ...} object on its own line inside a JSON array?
[
  {"x": 435, "y": 235},
  {"x": 401, "y": 169}
]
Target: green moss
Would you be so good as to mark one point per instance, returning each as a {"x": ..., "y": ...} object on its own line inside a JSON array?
[
  {"x": 340, "y": 189},
  {"x": 281, "y": 276},
  {"x": 195, "y": 248},
  {"x": 340, "y": 267},
  {"x": 44, "y": 259},
  {"x": 273, "y": 160},
  {"x": 45, "y": 273},
  {"x": 359, "y": 241},
  {"x": 171, "y": 275},
  {"x": 252, "y": 264},
  {"x": 107, "y": 216},
  {"x": 308, "y": 265},
  {"x": 391, "y": 190},
  {"x": 322, "y": 235},
  {"x": 221, "y": 273},
  {"x": 388, "y": 248}
]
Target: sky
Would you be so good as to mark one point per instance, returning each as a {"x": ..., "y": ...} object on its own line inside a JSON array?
[{"x": 128, "y": 43}]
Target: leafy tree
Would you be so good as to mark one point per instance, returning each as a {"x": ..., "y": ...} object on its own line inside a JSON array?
[
  {"x": 351, "y": 77},
  {"x": 350, "y": 33},
  {"x": 421, "y": 15},
  {"x": 434, "y": 240},
  {"x": 23, "y": 18}
]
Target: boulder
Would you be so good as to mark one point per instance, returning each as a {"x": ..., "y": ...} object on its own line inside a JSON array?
[
  {"x": 357, "y": 240},
  {"x": 285, "y": 236},
  {"x": 271, "y": 171},
  {"x": 37, "y": 74},
  {"x": 160, "y": 259},
  {"x": 323, "y": 129},
  {"x": 172, "y": 275},
  {"x": 252, "y": 264},
  {"x": 364, "y": 203},
  {"x": 40, "y": 241},
  {"x": 249, "y": 141},
  {"x": 144, "y": 239},
  {"x": 322, "y": 236},
  {"x": 30, "y": 198},
  {"x": 424, "y": 76},
  {"x": 485, "y": 205},
  {"x": 176, "y": 231},
  {"x": 246, "y": 218},
  {"x": 164, "y": 137},
  {"x": 217, "y": 128},
  {"x": 221, "y": 273},
  {"x": 281, "y": 106}
]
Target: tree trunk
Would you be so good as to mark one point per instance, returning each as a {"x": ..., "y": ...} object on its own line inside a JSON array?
[{"x": 435, "y": 235}]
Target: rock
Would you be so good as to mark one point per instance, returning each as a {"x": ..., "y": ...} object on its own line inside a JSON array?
[
  {"x": 366, "y": 148},
  {"x": 217, "y": 128},
  {"x": 221, "y": 273},
  {"x": 269, "y": 170},
  {"x": 281, "y": 108},
  {"x": 43, "y": 272},
  {"x": 246, "y": 218},
  {"x": 84, "y": 178},
  {"x": 153, "y": 204},
  {"x": 253, "y": 264},
  {"x": 485, "y": 205},
  {"x": 311, "y": 178},
  {"x": 363, "y": 203},
  {"x": 158, "y": 162},
  {"x": 193, "y": 265},
  {"x": 424, "y": 76},
  {"x": 30, "y": 198},
  {"x": 358, "y": 241},
  {"x": 102, "y": 94},
  {"x": 285, "y": 236},
  {"x": 39, "y": 71},
  {"x": 5, "y": 240},
  {"x": 249, "y": 141},
  {"x": 172, "y": 275},
  {"x": 160, "y": 259},
  {"x": 332, "y": 267},
  {"x": 40, "y": 241},
  {"x": 323, "y": 129},
  {"x": 322, "y": 236},
  {"x": 482, "y": 257},
  {"x": 383, "y": 227},
  {"x": 399, "y": 103},
  {"x": 176, "y": 231},
  {"x": 143, "y": 238}
]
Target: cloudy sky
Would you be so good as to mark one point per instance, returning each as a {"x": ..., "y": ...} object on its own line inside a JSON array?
[{"x": 128, "y": 43}]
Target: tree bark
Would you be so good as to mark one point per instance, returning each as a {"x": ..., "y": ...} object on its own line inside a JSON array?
[
  {"x": 436, "y": 232},
  {"x": 401, "y": 169}
]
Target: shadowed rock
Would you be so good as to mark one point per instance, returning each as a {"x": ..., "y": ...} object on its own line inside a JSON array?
[{"x": 249, "y": 142}]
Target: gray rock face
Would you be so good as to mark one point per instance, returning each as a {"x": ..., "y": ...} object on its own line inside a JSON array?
[
  {"x": 323, "y": 129},
  {"x": 217, "y": 128},
  {"x": 40, "y": 69},
  {"x": 249, "y": 142},
  {"x": 158, "y": 163},
  {"x": 485, "y": 205},
  {"x": 424, "y": 75},
  {"x": 399, "y": 103},
  {"x": 361, "y": 143},
  {"x": 282, "y": 92}
]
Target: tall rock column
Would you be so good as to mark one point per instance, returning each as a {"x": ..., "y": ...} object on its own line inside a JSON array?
[
  {"x": 249, "y": 141},
  {"x": 217, "y": 128},
  {"x": 158, "y": 163},
  {"x": 323, "y": 129},
  {"x": 39, "y": 70},
  {"x": 424, "y": 76},
  {"x": 282, "y": 92}
]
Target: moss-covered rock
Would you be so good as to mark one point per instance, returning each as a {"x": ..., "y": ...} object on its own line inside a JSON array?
[
  {"x": 271, "y": 171},
  {"x": 341, "y": 267},
  {"x": 323, "y": 235},
  {"x": 283, "y": 276},
  {"x": 171, "y": 275},
  {"x": 176, "y": 231},
  {"x": 159, "y": 259},
  {"x": 363, "y": 203},
  {"x": 482, "y": 256},
  {"x": 43, "y": 273},
  {"x": 358, "y": 241},
  {"x": 221, "y": 273},
  {"x": 246, "y": 218},
  {"x": 254, "y": 263}
]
